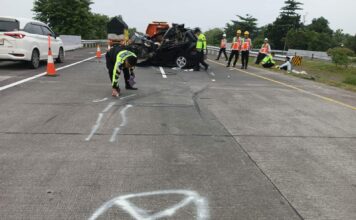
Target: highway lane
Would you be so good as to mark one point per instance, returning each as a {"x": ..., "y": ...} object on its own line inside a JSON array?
[{"x": 234, "y": 145}]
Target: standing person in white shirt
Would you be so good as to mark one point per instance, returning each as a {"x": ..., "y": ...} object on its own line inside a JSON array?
[{"x": 223, "y": 47}]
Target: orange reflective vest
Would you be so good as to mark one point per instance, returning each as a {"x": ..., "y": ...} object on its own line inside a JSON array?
[
  {"x": 246, "y": 44},
  {"x": 265, "y": 48},
  {"x": 223, "y": 43},
  {"x": 236, "y": 43}
]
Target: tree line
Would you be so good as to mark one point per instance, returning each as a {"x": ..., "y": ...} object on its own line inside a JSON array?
[{"x": 288, "y": 31}]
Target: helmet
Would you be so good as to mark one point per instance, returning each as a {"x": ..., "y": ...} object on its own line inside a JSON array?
[
  {"x": 238, "y": 32},
  {"x": 197, "y": 30},
  {"x": 224, "y": 35},
  {"x": 266, "y": 39},
  {"x": 247, "y": 33}
]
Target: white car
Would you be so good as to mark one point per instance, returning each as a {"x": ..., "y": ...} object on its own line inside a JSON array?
[{"x": 27, "y": 40}]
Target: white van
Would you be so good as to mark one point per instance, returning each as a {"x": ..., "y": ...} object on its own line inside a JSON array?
[{"x": 27, "y": 40}]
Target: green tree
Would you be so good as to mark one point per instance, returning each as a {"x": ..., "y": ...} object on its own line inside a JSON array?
[
  {"x": 340, "y": 56},
  {"x": 98, "y": 24},
  {"x": 213, "y": 36},
  {"x": 320, "y": 25},
  {"x": 71, "y": 17},
  {"x": 351, "y": 43},
  {"x": 248, "y": 23},
  {"x": 287, "y": 20}
]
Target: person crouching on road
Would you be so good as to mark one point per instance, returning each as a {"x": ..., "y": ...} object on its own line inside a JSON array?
[
  {"x": 125, "y": 62},
  {"x": 264, "y": 51},
  {"x": 268, "y": 61},
  {"x": 235, "y": 49},
  {"x": 223, "y": 47},
  {"x": 200, "y": 48},
  {"x": 246, "y": 46},
  {"x": 118, "y": 46}
]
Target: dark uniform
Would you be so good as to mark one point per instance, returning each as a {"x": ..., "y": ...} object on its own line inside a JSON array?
[{"x": 110, "y": 64}]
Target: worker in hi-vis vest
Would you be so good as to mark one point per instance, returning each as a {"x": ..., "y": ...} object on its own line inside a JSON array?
[
  {"x": 125, "y": 61},
  {"x": 201, "y": 47},
  {"x": 267, "y": 61},
  {"x": 246, "y": 46},
  {"x": 235, "y": 48},
  {"x": 223, "y": 43},
  {"x": 264, "y": 51}
]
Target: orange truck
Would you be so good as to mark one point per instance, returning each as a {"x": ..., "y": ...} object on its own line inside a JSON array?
[{"x": 155, "y": 27}]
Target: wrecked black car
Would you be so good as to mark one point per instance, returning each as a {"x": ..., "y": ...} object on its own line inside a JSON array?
[{"x": 174, "y": 47}]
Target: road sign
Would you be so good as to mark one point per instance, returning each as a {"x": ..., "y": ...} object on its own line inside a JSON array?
[{"x": 297, "y": 60}]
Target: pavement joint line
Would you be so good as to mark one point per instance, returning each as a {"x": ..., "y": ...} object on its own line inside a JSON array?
[
  {"x": 293, "y": 87},
  {"x": 163, "y": 73},
  {"x": 41, "y": 74}
]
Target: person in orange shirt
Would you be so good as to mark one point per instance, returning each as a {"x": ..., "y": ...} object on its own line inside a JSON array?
[
  {"x": 246, "y": 46},
  {"x": 264, "y": 51},
  {"x": 235, "y": 48},
  {"x": 222, "y": 47}
]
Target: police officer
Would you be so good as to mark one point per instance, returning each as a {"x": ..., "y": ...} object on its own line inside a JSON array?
[
  {"x": 111, "y": 55},
  {"x": 125, "y": 61},
  {"x": 200, "y": 48}
]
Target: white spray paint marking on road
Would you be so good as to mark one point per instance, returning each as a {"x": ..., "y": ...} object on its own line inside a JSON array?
[
  {"x": 100, "y": 100},
  {"x": 95, "y": 127},
  {"x": 41, "y": 74},
  {"x": 111, "y": 104},
  {"x": 123, "y": 123},
  {"x": 202, "y": 209},
  {"x": 129, "y": 96},
  {"x": 163, "y": 73},
  {"x": 213, "y": 80}
]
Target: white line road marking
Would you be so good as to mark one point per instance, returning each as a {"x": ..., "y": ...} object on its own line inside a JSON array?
[
  {"x": 95, "y": 127},
  {"x": 163, "y": 73},
  {"x": 123, "y": 202},
  {"x": 41, "y": 74},
  {"x": 213, "y": 80},
  {"x": 100, "y": 100},
  {"x": 123, "y": 123},
  {"x": 212, "y": 74}
]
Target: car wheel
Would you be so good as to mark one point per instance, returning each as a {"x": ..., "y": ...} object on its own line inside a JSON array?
[
  {"x": 181, "y": 61},
  {"x": 60, "y": 58},
  {"x": 35, "y": 59}
]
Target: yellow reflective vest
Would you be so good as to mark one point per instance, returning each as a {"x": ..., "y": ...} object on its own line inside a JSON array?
[
  {"x": 201, "y": 43},
  {"x": 120, "y": 60}
]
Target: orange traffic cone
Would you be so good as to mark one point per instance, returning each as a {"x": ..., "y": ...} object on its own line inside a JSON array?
[
  {"x": 98, "y": 52},
  {"x": 51, "y": 70}
]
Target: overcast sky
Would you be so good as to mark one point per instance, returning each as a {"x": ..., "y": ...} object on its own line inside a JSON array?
[{"x": 205, "y": 13}]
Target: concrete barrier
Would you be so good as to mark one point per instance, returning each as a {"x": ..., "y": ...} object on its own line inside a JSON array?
[
  {"x": 309, "y": 54},
  {"x": 71, "y": 42}
]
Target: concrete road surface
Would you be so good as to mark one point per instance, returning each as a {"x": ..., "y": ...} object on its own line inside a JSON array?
[{"x": 222, "y": 144}]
